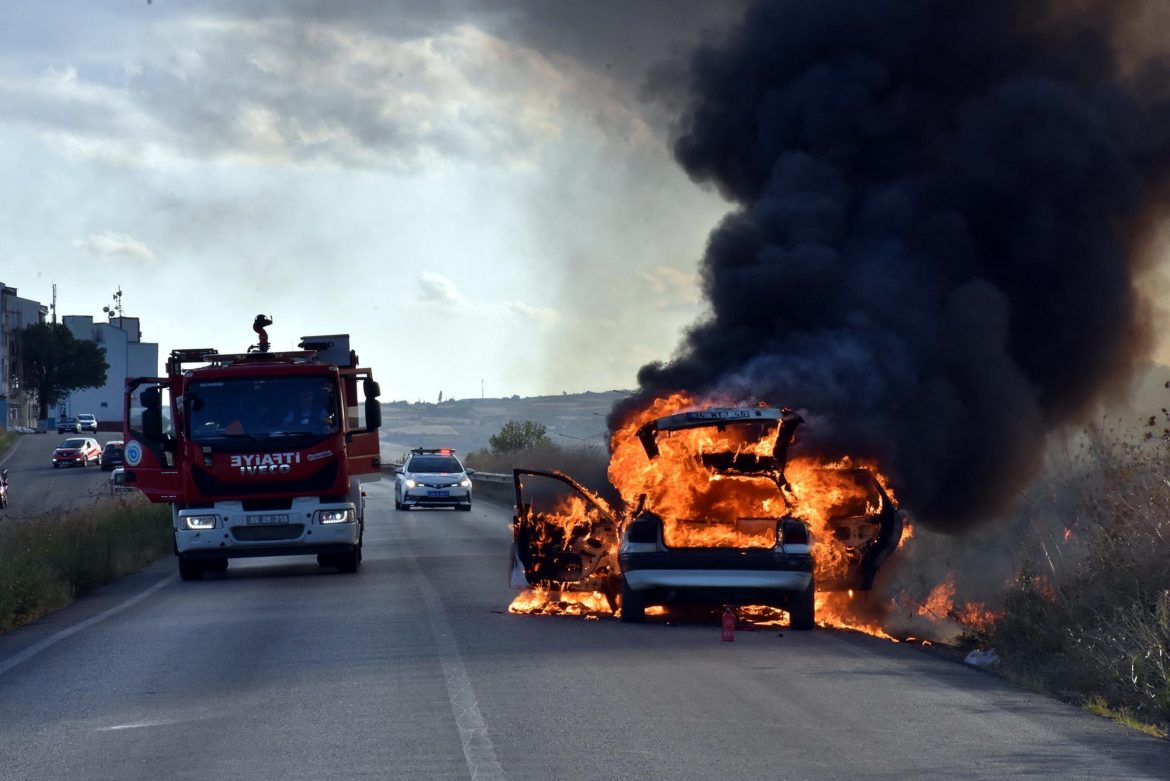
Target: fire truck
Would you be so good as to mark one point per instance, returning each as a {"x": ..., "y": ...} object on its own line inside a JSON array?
[{"x": 259, "y": 453}]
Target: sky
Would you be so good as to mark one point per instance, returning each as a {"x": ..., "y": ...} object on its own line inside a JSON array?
[{"x": 476, "y": 192}]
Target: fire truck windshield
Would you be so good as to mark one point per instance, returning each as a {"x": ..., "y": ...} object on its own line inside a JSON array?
[{"x": 252, "y": 409}]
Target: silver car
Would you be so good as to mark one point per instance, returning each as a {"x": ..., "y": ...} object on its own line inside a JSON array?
[{"x": 432, "y": 478}]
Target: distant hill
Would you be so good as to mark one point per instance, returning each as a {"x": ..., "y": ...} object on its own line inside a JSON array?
[{"x": 466, "y": 424}]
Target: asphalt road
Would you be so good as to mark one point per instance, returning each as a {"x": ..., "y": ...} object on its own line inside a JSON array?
[
  {"x": 412, "y": 669},
  {"x": 36, "y": 489}
]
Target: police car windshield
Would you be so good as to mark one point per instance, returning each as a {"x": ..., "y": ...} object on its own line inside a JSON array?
[
  {"x": 434, "y": 465},
  {"x": 258, "y": 408}
]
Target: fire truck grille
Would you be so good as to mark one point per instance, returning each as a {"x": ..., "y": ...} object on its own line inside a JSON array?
[
  {"x": 319, "y": 482},
  {"x": 283, "y": 531}
]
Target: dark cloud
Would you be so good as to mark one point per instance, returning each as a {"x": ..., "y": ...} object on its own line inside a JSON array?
[{"x": 940, "y": 214}]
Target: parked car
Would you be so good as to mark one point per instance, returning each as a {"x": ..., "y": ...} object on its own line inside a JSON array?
[
  {"x": 112, "y": 455},
  {"x": 80, "y": 451},
  {"x": 432, "y": 478},
  {"x": 733, "y": 538},
  {"x": 87, "y": 422},
  {"x": 68, "y": 423}
]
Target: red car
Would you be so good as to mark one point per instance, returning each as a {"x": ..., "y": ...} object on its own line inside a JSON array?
[{"x": 78, "y": 450}]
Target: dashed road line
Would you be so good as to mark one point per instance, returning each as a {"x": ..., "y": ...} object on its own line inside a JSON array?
[{"x": 473, "y": 732}]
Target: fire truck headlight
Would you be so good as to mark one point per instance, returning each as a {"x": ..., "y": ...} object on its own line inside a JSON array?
[
  {"x": 200, "y": 522},
  {"x": 335, "y": 516},
  {"x": 466, "y": 482},
  {"x": 411, "y": 483}
]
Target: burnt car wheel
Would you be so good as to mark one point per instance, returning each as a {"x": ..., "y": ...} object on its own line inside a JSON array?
[
  {"x": 633, "y": 605},
  {"x": 802, "y": 611}
]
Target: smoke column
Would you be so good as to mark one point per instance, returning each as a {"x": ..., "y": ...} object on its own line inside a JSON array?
[{"x": 940, "y": 210}]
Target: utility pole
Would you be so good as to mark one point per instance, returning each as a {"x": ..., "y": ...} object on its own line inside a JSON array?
[
  {"x": 481, "y": 390},
  {"x": 54, "y": 303}
]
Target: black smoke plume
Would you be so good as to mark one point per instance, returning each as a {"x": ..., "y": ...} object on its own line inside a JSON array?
[{"x": 939, "y": 222}]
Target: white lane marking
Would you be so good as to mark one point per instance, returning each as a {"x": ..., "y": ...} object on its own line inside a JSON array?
[
  {"x": 473, "y": 731},
  {"x": 11, "y": 452},
  {"x": 53, "y": 639},
  {"x": 138, "y": 725}
]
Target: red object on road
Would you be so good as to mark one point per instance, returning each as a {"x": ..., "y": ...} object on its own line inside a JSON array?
[{"x": 728, "y": 624}]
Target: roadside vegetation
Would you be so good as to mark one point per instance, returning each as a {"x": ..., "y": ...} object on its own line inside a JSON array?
[
  {"x": 1088, "y": 618},
  {"x": 527, "y": 445},
  {"x": 46, "y": 563}
]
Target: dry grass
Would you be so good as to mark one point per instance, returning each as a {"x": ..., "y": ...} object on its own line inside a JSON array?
[
  {"x": 46, "y": 563},
  {"x": 1092, "y": 623}
]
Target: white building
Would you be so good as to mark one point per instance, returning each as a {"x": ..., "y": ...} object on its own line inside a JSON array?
[
  {"x": 18, "y": 405},
  {"x": 120, "y": 340}
]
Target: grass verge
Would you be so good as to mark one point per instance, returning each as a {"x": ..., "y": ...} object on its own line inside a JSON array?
[{"x": 47, "y": 563}]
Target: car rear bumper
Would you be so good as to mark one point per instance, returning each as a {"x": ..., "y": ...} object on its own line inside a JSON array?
[
  {"x": 717, "y": 569},
  {"x": 646, "y": 579}
]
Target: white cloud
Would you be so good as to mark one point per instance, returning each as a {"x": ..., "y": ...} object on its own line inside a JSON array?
[
  {"x": 438, "y": 289},
  {"x": 294, "y": 92},
  {"x": 115, "y": 246},
  {"x": 671, "y": 287},
  {"x": 541, "y": 316}
]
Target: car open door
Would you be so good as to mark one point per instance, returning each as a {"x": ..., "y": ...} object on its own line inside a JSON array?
[
  {"x": 563, "y": 537},
  {"x": 868, "y": 526},
  {"x": 148, "y": 424}
]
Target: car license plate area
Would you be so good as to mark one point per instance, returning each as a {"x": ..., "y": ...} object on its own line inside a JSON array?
[
  {"x": 438, "y": 493},
  {"x": 265, "y": 520}
]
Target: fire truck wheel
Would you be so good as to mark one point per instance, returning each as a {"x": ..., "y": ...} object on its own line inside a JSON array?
[
  {"x": 349, "y": 562},
  {"x": 633, "y": 605},
  {"x": 802, "y": 614},
  {"x": 189, "y": 569},
  {"x": 217, "y": 565}
]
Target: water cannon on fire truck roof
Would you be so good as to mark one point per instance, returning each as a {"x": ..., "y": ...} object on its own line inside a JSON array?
[{"x": 258, "y": 325}]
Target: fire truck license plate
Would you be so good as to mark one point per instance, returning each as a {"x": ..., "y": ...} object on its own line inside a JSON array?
[
  {"x": 266, "y": 519},
  {"x": 438, "y": 493}
]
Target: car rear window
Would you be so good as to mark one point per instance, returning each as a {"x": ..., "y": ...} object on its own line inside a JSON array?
[
  {"x": 73, "y": 443},
  {"x": 434, "y": 464}
]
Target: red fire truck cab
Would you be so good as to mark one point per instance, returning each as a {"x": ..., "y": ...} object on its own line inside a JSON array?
[{"x": 259, "y": 453}]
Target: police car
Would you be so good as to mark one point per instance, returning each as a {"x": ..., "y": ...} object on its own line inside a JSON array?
[{"x": 432, "y": 478}]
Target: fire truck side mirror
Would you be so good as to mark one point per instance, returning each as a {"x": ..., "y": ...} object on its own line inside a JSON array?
[
  {"x": 373, "y": 413},
  {"x": 152, "y": 413},
  {"x": 371, "y": 389},
  {"x": 151, "y": 397}
]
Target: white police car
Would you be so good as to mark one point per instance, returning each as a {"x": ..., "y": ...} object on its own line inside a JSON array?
[{"x": 432, "y": 478}]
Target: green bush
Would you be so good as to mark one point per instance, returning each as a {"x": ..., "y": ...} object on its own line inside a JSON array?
[
  {"x": 516, "y": 436},
  {"x": 45, "y": 563}
]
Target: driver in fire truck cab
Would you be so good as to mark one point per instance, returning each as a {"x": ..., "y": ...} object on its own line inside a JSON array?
[{"x": 312, "y": 410}]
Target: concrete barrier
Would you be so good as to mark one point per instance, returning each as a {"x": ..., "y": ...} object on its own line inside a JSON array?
[{"x": 494, "y": 486}]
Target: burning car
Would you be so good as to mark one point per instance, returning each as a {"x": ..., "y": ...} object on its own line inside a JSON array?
[{"x": 713, "y": 511}]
